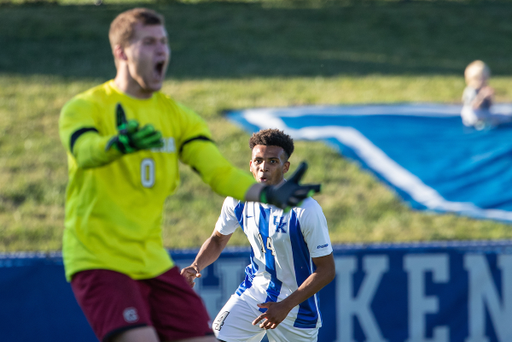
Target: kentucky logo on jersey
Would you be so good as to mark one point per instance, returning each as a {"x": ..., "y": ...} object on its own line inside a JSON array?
[{"x": 280, "y": 225}]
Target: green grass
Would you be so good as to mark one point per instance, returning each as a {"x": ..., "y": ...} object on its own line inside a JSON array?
[{"x": 230, "y": 55}]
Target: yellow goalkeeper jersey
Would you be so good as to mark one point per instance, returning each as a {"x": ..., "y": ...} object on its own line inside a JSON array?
[{"x": 114, "y": 203}]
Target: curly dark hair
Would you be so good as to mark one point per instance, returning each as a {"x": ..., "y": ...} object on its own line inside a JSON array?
[{"x": 273, "y": 137}]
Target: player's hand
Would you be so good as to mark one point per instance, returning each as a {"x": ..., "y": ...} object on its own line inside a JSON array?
[
  {"x": 146, "y": 138},
  {"x": 275, "y": 314},
  {"x": 130, "y": 138},
  {"x": 191, "y": 273},
  {"x": 290, "y": 193}
]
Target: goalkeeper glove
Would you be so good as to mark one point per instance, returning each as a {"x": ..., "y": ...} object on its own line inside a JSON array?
[
  {"x": 289, "y": 194},
  {"x": 130, "y": 138}
]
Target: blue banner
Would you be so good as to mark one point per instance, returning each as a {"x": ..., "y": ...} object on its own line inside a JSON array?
[
  {"x": 422, "y": 292},
  {"x": 422, "y": 151}
]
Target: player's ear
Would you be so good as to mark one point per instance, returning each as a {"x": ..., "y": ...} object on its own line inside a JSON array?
[
  {"x": 286, "y": 166},
  {"x": 119, "y": 53}
]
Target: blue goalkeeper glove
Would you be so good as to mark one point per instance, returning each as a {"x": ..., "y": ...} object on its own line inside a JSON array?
[
  {"x": 132, "y": 139},
  {"x": 289, "y": 194}
]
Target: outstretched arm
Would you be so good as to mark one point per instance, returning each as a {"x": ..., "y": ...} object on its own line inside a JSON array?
[
  {"x": 486, "y": 93},
  {"x": 277, "y": 312},
  {"x": 90, "y": 148},
  {"x": 209, "y": 252}
]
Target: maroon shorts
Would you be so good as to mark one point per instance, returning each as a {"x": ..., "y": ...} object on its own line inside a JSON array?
[{"x": 113, "y": 303}]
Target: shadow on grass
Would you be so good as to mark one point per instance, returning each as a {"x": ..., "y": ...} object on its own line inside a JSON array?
[{"x": 235, "y": 40}]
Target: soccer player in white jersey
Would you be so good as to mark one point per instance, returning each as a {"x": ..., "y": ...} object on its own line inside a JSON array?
[{"x": 291, "y": 257}]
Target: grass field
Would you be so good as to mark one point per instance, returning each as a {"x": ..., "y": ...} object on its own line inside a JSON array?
[{"x": 228, "y": 55}]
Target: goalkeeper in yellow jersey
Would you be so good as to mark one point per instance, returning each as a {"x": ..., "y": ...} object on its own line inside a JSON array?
[{"x": 124, "y": 139}]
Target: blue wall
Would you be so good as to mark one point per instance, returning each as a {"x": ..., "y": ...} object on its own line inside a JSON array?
[{"x": 453, "y": 291}]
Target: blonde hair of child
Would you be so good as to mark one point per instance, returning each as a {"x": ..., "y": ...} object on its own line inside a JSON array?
[{"x": 476, "y": 71}]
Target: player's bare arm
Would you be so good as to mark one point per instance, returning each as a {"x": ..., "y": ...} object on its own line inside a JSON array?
[
  {"x": 209, "y": 252},
  {"x": 277, "y": 312}
]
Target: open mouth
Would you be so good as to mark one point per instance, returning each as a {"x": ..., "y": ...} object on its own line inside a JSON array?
[{"x": 159, "y": 68}]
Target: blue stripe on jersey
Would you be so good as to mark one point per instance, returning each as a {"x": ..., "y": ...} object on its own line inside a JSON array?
[
  {"x": 239, "y": 213},
  {"x": 307, "y": 316},
  {"x": 274, "y": 287},
  {"x": 250, "y": 270}
]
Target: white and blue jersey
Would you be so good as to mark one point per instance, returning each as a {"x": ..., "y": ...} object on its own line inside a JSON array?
[{"x": 283, "y": 245}]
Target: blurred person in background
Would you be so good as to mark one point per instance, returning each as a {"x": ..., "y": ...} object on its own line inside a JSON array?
[
  {"x": 124, "y": 139},
  {"x": 291, "y": 256},
  {"x": 478, "y": 97}
]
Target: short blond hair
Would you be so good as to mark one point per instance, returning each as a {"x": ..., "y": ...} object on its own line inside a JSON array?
[
  {"x": 122, "y": 27},
  {"x": 476, "y": 70}
]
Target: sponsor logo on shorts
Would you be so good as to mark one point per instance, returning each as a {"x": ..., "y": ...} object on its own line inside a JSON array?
[
  {"x": 322, "y": 246},
  {"x": 219, "y": 321},
  {"x": 130, "y": 315}
]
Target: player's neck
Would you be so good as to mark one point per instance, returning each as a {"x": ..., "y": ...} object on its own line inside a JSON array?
[
  {"x": 281, "y": 182},
  {"x": 125, "y": 83}
]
